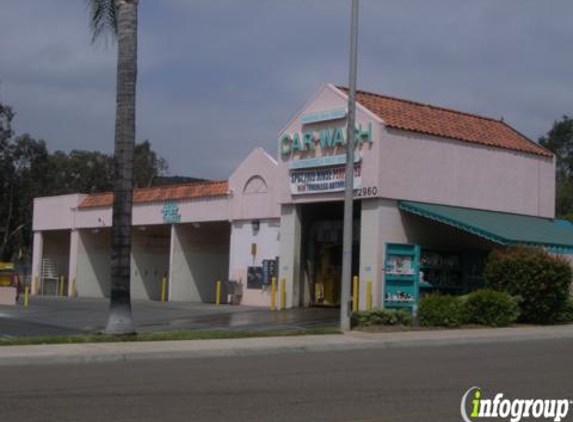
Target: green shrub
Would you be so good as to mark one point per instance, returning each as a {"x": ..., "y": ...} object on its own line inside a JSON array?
[
  {"x": 567, "y": 313},
  {"x": 490, "y": 307},
  {"x": 440, "y": 311},
  {"x": 381, "y": 316},
  {"x": 541, "y": 280}
]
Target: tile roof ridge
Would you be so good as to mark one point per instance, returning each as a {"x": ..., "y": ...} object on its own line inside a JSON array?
[
  {"x": 540, "y": 150},
  {"x": 176, "y": 185},
  {"x": 417, "y": 103},
  {"x": 107, "y": 192},
  {"x": 546, "y": 151}
]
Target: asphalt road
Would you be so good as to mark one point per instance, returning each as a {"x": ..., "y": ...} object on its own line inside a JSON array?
[{"x": 401, "y": 384}]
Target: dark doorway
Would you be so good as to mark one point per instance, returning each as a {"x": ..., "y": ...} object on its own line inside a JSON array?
[{"x": 322, "y": 228}]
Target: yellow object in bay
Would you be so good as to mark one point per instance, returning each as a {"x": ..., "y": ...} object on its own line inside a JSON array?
[{"x": 6, "y": 274}]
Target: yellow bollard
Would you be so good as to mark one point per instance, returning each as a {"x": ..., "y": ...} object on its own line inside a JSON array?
[
  {"x": 273, "y": 294},
  {"x": 26, "y": 296},
  {"x": 282, "y": 304},
  {"x": 62, "y": 286},
  {"x": 218, "y": 293},
  {"x": 73, "y": 291},
  {"x": 355, "y": 293},
  {"x": 164, "y": 289},
  {"x": 369, "y": 296},
  {"x": 35, "y": 286}
]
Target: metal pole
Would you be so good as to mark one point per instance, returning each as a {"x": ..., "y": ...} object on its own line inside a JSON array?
[
  {"x": 345, "y": 299},
  {"x": 218, "y": 294},
  {"x": 273, "y": 294}
]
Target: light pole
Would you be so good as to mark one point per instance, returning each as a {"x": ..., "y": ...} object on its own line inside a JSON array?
[{"x": 345, "y": 298}]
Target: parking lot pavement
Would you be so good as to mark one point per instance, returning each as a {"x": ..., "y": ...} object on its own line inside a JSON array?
[{"x": 63, "y": 316}]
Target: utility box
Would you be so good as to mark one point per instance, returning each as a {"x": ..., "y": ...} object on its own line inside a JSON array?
[
  {"x": 8, "y": 284},
  {"x": 8, "y": 295}
]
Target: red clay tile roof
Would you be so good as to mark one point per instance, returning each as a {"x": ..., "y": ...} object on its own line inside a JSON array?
[
  {"x": 446, "y": 123},
  {"x": 162, "y": 193}
]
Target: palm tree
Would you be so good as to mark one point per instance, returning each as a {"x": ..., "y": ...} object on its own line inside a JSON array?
[{"x": 120, "y": 17}]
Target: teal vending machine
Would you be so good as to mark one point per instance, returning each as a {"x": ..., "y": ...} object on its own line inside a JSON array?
[{"x": 401, "y": 276}]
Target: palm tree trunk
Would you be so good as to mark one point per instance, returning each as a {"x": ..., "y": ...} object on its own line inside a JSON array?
[{"x": 120, "y": 319}]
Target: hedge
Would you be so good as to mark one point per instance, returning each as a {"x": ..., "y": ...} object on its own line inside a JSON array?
[
  {"x": 440, "y": 311},
  {"x": 490, "y": 307},
  {"x": 567, "y": 313},
  {"x": 381, "y": 316},
  {"x": 541, "y": 280}
]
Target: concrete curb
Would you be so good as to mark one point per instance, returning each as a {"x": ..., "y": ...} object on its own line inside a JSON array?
[{"x": 137, "y": 351}]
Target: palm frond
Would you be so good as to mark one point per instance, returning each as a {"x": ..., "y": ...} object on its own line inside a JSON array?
[{"x": 103, "y": 17}]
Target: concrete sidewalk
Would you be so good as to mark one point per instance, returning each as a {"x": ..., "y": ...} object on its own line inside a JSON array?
[{"x": 106, "y": 352}]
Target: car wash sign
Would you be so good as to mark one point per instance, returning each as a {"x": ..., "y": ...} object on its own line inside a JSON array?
[
  {"x": 329, "y": 138},
  {"x": 322, "y": 180}
]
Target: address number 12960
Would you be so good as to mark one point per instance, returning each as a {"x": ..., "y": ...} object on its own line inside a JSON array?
[{"x": 366, "y": 192}]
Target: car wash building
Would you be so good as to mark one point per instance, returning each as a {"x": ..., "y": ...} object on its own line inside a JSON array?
[{"x": 435, "y": 191}]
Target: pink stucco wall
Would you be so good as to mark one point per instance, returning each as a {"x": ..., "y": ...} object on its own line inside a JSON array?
[
  {"x": 196, "y": 210},
  {"x": 256, "y": 201},
  {"x": 429, "y": 169},
  {"x": 267, "y": 239},
  {"x": 55, "y": 212}
]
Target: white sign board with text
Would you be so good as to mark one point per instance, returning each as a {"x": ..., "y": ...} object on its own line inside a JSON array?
[{"x": 322, "y": 180}]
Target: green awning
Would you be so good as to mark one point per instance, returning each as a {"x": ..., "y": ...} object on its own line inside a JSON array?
[{"x": 499, "y": 227}]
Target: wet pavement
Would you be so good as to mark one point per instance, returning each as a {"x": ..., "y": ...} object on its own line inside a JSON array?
[{"x": 63, "y": 316}]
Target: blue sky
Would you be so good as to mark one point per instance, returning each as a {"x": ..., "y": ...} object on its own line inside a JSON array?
[{"x": 221, "y": 77}]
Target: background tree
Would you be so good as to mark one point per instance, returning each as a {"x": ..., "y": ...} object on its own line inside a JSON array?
[
  {"x": 28, "y": 171},
  {"x": 120, "y": 16},
  {"x": 6, "y": 171},
  {"x": 31, "y": 178},
  {"x": 147, "y": 165},
  {"x": 81, "y": 171},
  {"x": 23, "y": 167},
  {"x": 559, "y": 140},
  {"x": 24, "y": 174}
]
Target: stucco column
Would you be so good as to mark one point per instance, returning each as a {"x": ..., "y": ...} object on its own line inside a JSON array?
[
  {"x": 171, "y": 269},
  {"x": 371, "y": 253},
  {"x": 72, "y": 266},
  {"x": 381, "y": 223},
  {"x": 37, "y": 253},
  {"x": 290, "y": 249}
]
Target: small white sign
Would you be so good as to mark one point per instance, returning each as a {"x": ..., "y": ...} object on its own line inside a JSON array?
[{"x": 321, "y": 180}]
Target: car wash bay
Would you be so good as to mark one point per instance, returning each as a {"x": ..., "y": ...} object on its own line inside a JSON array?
[
  {"x": 149, "y": 261},
  {"x": 191, "y": 258},
  {"x": 55, "y": 261},
  {"x": 322, "y": 227}
]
